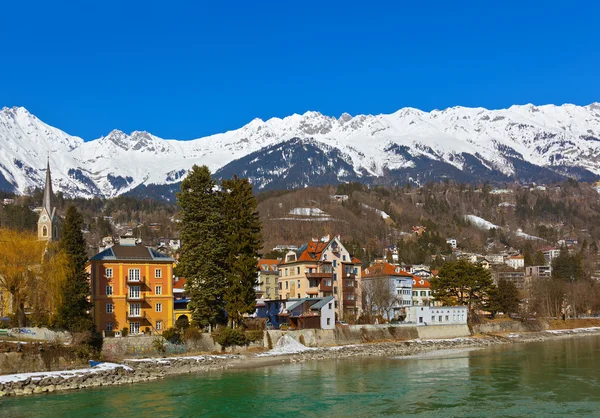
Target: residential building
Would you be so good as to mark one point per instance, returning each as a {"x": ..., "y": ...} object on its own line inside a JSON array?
[
  {"x": 495, "y": 258},
  {"x": 171, "y": 243},
  {"x": 452, "y": 242},
  {"x": 180, "y": 300},
  {"x": 48, "y": 221},
  {"x": 8, "y": 201},
  {"x": 483, "y": 262},
  {"x": 515, "y": 261},
  {"x": 421, "y": 292},
  {"x": 132, "y": 287},
  {"x": 550, "y": 254},
  {"x": 516, "y": 276},
  {"x": 270, "y": 310},
  {"x": 285, "y": 247},
  {"x": 539, "y": 272},
  {"x": 268, "y": 277},
  {"x": 322, "y": 268},
  {"x": 309, "y": 313},
  {"x": 398, "y": 281},
  {"x": 338, "y": 197},
  {"x": 436, "y": 315}
]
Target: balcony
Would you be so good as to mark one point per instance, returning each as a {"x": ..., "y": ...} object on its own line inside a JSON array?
[
  {"x": 135, "y": 314},
  {"x": 133, "y": 279},
  {"x": 135, "y": 296},
  {"x": 319, "y": 275},
  {"x": 325, "y": 288},
  {"x": 349, "y": 303}
]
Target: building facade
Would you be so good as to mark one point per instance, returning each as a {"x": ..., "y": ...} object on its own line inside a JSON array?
[
  {"x": 436, "y": 315},
  {"x": 268, "y": 278},
  {"x": 322, "y": 268},
  {"x": 421, "y": 293},
  {"x": 132, "y": 288},
  {"x": 398, "y": 281}
]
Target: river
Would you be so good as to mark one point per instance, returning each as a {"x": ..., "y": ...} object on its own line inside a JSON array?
[{"x": 552, "y": 378}]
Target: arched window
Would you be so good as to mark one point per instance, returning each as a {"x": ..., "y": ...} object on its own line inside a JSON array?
[{"x": 44, "y": 231}]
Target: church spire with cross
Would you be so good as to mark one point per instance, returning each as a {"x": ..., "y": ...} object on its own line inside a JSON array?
[{"x": 48, "y": 222}]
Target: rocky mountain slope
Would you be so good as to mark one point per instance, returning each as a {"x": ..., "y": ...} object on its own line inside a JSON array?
[{"x": 522, "y": 143}]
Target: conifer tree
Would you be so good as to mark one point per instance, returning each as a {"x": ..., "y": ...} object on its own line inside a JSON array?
[
  {"x": 204, "y": 247},
  {"x": 244, "y": 241},
  {"x": 74, "y": 312}
]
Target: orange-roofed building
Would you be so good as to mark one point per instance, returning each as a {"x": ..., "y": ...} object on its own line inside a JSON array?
[
  {"x": 398, "y": 281},
  {"x": 268, "y": 277},
  {"x": 180, "y": 300},
  {"x": 422, "y": 295},
  {"x": 322, "y": 268}
]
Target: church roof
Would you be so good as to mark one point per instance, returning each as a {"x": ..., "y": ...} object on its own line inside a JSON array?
[{"x": 47, "y": 202}]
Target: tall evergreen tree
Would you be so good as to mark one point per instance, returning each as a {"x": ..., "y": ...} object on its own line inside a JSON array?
[
  {"x": 505, "y": 298},
  {"x": 74, "y": 312},
  {"x": 204, "y": 246},
  {"x": 244, "y": 241}
]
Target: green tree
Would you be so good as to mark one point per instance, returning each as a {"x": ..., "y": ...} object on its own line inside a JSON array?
[
  {"x": 505, "y": 298},
  {"x": 204, "y": 246},
  {"x": 74, "y": 311},
  {"x": 567, "y": 267},
  {"x": 539, "y": 259},
  {"x": 244, "y": 241},
  {"x": 462, "y": 283},
  {"x": 528, "y": 259}
]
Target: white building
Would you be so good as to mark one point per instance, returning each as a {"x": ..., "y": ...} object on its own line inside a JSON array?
[
  {"x": 452, "y": 242},
  {"x": 515, "y": 261},
  {"x": 436, "y": 315}
]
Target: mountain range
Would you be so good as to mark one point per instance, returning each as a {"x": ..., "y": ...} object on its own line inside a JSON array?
[{"x": 522, "y": 143}]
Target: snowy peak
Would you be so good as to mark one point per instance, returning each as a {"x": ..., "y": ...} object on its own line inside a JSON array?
[{"x": 522, "y": 142}]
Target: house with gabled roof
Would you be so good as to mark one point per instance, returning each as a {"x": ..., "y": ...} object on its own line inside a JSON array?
[{"x": 321, "y": 268}]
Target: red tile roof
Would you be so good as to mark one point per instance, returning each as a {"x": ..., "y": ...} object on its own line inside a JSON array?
[
  {"x": 419, "y": 283},
  {"x": 179, "y": 284},
  {"x": 269, "y": 262},
  {"x": 385, "y": 269}
]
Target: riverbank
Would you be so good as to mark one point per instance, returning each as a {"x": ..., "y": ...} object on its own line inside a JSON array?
[{"x": 286, "y": 351}]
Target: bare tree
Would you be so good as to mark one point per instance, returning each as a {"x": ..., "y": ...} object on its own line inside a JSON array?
[{"x": 378, "y": 296}]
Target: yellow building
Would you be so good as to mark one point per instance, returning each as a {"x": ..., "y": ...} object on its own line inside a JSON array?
[
  {"x": 268, "y": 277},
  {"x": 132, "y": 287},
  {"x": 322, "y": 268}
]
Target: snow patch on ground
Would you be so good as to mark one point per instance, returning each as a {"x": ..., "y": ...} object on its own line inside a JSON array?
[
  {"x": 286, "y": 345},
  {"x": 66, "y": 374},
  {"x": 379, "y": 212},
  {"x": 168, "y": 360},
  {"x": 316, "y": 212},
  {"x": 572, "y": 331},
  {"x": 522, "y": 234},
  {"x": 480, "y": 222}
]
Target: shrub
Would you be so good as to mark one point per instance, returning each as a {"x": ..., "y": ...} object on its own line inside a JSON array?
[
  {"x": 192, "y": 334},
  {"x": 172, "y": 335},
  {"x": 255, "y": 336},
  {"x": 182, "y": 322},
  {"x": 124, "y": 332},
  {"x": 230, "y": 337},
  {"x": 159, "y": 345}
]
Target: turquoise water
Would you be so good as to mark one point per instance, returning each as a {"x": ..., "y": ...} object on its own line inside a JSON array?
[{"x": 558, "y": 378}]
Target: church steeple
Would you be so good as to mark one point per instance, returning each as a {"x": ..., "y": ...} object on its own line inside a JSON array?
[{"x": 47, "y": 203}]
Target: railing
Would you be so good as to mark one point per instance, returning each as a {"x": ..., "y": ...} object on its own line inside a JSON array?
[
  {"x": 135, "y": 314},
  {"x": 138, "y": 296},
  {"x": 319, "y": 275},
  {"x": 135, "y": 280}
]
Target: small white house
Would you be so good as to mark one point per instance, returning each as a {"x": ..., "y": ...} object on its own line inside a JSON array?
[
  {"x": 436, "y": 315},
  {"x": 452, "y": 242}
]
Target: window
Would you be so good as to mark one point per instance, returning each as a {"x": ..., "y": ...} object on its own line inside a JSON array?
[
  {"x": 158, "y": 273},
  {"x": 298, "y": 284},
  {"x": 440, "y": 318},
  {"x": 423, "y": 293},
  {"x": 328, "y": 321},
  {"x": 134, "y": 275},
  {"x": 158, "y": 290},
  {"x": 159, "y": 307},
  {"x": 109, "y": 290},
  {"x": 334, "y": 263},
  {"x": 415, "y": 293},
  {"x": 158, "y": 325},
  {"x": 297, "y": 270},
  {"x": 344, "y": 257},
  {"x": 109, "y": 326},
  {"x": 108, "y": 273},
  {"x": 298, "y": 296},
  {"x": 134, "y": 292},
  {"x": 268, "y": 281},
  {"x": 44, "y": 231},
  {"x": 134, "y": 328},
  {"x": 286, "y": 285},
  {"x": 349, "y": 296},
  {"x": 356, "y": 271},
  {"x": 350, "y": 283},
  {"x": 280, "y": 285},
  {"x": 334, "y": 277},
  {"x": 110, "y": 308},
  {"x": 330, "y": 306},
  {"x": 447, "y": 317},
  {"x": 135, "y": 310},
  {"x": 286, "y": 271}
]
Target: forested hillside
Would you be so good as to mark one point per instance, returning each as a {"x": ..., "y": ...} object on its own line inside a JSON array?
[{"x": 481, "y": 218}]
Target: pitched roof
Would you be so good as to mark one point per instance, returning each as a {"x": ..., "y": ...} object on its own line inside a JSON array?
[
  {"x": 312, "y": 251},
  {"x": 385, "y": 269},
  {"x": 179, "y": 284},
  {"x": 419, "y": 283},
  {"x": 270, "y": 263},
  {"x": 322, "y": 303},
  {"x": 131, "y": 252}
]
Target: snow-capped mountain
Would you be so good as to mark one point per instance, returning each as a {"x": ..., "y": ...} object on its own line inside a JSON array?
[{"x": 524, "y": 143}]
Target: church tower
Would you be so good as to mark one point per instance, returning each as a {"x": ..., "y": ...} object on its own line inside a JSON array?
[{"x": 48, "y": 226}]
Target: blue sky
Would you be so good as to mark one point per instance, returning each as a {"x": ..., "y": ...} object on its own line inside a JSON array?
[{"x": 188, "y": 69}]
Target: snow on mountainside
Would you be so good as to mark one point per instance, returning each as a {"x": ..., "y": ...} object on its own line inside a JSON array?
[{"x": 528, "y": 143}]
